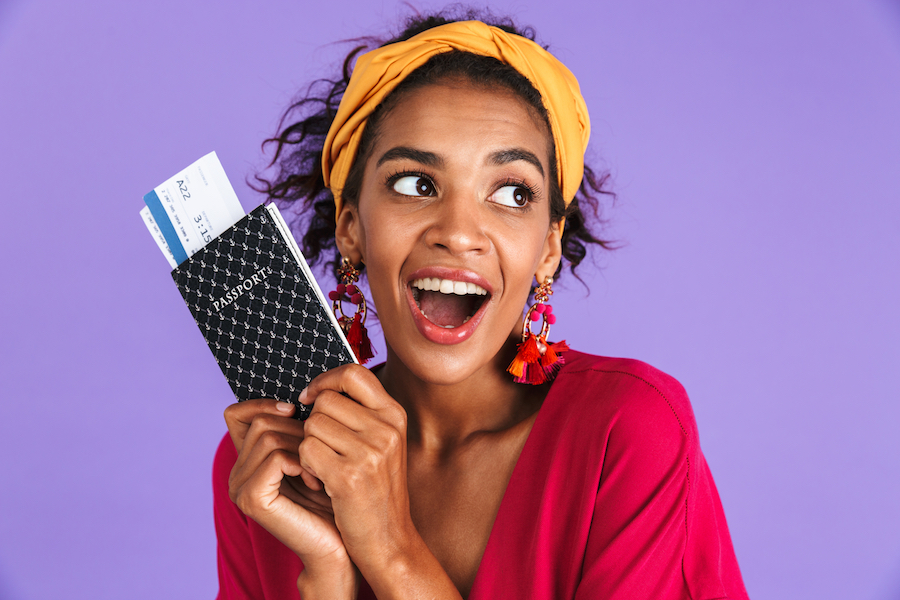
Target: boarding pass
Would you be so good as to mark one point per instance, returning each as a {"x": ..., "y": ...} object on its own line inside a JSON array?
[{"x": 190, "y": 209}]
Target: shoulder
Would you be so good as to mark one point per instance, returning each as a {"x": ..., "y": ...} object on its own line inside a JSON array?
[
  {"x": 630, "y": 395},
  {"x": 584, "y": 367}
]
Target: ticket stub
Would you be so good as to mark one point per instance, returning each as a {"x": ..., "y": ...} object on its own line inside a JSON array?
[
  {"x": 153, "y": 228},
  {"x": 194, "y": 206}
]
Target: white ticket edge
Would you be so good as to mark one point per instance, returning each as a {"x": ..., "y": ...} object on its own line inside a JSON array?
[{"x": 157, "y": 235}]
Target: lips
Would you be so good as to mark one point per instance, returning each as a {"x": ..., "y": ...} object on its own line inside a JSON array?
[{"x": 447, "y": 304}]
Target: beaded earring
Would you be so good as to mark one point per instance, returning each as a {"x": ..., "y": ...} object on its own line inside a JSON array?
[
  {"x": 354, "y": 327},
  {"x": 536, "y": 361}
]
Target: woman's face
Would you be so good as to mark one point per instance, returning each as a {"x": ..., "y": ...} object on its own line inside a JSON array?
[{"x": 453, "y": 224}]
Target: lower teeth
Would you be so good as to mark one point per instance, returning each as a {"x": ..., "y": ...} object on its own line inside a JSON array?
[{"x": 455, "y": 326}]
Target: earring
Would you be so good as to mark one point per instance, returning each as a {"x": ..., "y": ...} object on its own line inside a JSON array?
[
  {"x": 536, "y": 361},
  {"x": 354, "y": 327}
]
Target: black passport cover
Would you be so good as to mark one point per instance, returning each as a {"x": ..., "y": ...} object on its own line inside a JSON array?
[{"x": 261, "y": 316}]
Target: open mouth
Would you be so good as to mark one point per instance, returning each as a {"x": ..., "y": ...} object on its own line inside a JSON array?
[{"x": 447, "y": 303}]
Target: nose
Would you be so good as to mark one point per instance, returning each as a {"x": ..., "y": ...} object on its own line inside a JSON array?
[{"x": 458, "y": 225}]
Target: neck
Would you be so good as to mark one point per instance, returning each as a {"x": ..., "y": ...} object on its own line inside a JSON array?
[{"x": 442, "y": 417}]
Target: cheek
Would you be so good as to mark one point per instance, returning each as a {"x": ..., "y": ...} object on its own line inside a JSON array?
[
  {"x": 524, "y": 246},
  {"x": 385, "y": 247},
  {"x": 382, "y": 238},
  {"x": 521, "y": 258}
]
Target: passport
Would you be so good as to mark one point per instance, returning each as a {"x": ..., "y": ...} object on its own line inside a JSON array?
[{"x": 261, "y": 311}]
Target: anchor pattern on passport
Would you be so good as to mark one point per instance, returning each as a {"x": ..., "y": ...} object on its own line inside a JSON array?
[{"x": 260, "y": 316}]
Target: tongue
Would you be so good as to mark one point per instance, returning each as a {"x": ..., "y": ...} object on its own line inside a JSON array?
[{"x": 446, "y": 309}]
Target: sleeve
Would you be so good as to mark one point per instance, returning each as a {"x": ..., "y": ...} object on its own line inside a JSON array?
[
  {"x": 658, "y": 530},
  {"x": 238, "y": 573}
]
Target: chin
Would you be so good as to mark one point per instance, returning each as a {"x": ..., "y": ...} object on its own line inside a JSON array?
[{"x": 452, "y": 364}]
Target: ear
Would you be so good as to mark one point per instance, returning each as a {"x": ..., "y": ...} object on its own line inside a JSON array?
[
  {"x": 551, "y": 253},
  {"x": 348, "y": 234}
]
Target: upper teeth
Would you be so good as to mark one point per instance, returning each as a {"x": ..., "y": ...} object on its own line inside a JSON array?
[{"x": 448, "y": 286}]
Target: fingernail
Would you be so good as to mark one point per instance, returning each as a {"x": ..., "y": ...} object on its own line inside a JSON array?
[
  {"x": 303, "y": 396},
  {"x": 284, "y": 406}
]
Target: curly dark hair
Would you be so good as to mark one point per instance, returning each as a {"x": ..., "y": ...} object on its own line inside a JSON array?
[{"x": 298, "y": 184}]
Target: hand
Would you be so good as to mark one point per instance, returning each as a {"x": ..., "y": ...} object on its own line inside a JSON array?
[
  {"x": 270, "y": 486},
  {"x": 356, "y": 446}
]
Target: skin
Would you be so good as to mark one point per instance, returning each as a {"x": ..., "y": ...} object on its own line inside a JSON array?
[{"x": 398, "y": 475}]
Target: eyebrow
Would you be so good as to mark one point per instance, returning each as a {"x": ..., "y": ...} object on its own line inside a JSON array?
[
  {"x": 503, "y": 157},
  {"x": 429, "y": 159}
]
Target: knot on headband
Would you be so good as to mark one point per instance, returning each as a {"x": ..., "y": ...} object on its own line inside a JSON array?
[{"x": 378, "y": 72}]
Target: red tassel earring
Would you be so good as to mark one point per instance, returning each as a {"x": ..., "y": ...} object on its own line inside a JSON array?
[
  {"x": 537, "y": 362},
  {"x": 354, "y": 327}
]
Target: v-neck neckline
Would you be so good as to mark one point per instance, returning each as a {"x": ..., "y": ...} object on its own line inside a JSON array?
[
  {"x": 542, "y": 416},
  {"x": 539, "y": 423}
]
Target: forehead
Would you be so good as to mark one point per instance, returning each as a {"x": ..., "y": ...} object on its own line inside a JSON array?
[{"x": 463, "y": 116}]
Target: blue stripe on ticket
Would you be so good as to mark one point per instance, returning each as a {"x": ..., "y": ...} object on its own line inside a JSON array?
[{"x": 165, "y": 226}]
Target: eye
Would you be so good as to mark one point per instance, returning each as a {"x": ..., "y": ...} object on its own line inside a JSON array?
[
  {"x": 414, "y": 185},
  {"x": 514, "y": 196}
]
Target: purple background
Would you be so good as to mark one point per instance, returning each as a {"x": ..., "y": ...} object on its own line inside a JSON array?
[{"x": 756, "y": 154}]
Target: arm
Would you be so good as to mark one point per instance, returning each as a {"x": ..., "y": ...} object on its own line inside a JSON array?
[{"x": 658, "y": 529}]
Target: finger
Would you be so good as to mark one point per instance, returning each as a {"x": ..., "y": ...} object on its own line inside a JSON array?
[
  {"x": 239, "y": 416},
  {"x": 302, "y": 527},
  {"x": 337, "y": 435},
  {"x": 311, "y": 482},
  {"x": 331, "y": 389},
  {"x": 345, "y": 410},
  {"x": 295, "y": 489},
  {"x": 253, "y": 456},
  {"x": 258, "y": 494},
  {"x": 318, "y": 458},
  {"x": 292, "y": 491},
  {"x": 355, "y": 381},
  {"x": 265, "y": 422},
  {"x": 265, "y": 441}
]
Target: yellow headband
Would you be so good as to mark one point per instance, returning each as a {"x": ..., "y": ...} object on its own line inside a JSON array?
[{"x": 378, "y": 72}]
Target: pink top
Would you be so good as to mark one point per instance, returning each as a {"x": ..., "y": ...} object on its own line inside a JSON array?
[{"x": 610, "y": 498}]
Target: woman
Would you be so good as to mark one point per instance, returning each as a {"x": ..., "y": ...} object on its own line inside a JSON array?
[{"x": 456, "y": 159}]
